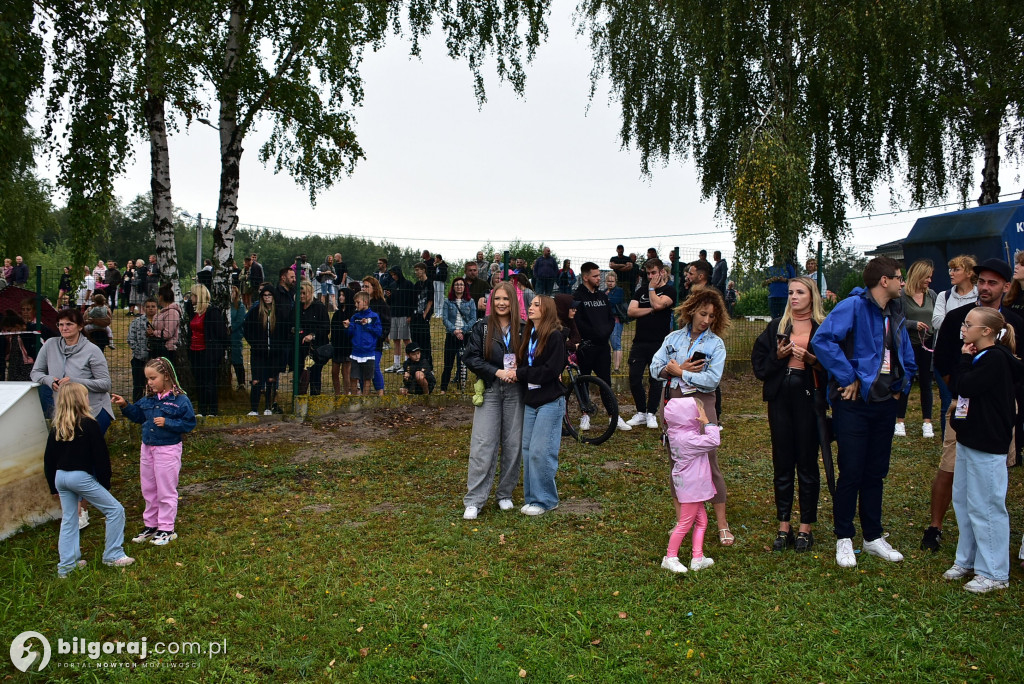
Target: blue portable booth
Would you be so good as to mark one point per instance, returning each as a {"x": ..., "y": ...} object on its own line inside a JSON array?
[{"x": 991, "y": 231}]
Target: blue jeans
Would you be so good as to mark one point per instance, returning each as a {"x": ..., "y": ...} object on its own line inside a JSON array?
[
  {"x": 542, "y": 437},
  {"x": 545, "y": 286},
  {"x": 378, "y": 375},
  {"x": 945, "y": 399},
  {"x": 73, "y": 485},
  {"x": 864, "y": 445},
  {"x": 979, "y": 500},
  {"x": 616, "y": 338}
]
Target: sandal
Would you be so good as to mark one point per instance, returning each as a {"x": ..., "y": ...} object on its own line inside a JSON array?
[{"x": 725, "y": 537}]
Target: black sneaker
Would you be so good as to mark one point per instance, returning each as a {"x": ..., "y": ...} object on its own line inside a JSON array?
[
  {"x": 783, "y": 540},
  {"x": 931, "y": 539},
  {"x": 804, "y": 541},
  {"x": 274, "y": 408},
  {"x": 145, "y": 535}
]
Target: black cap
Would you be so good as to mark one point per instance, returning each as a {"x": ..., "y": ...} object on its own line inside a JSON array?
[
  {"x": 412, "y": 348},
  {"x": 997, "y": 266}
]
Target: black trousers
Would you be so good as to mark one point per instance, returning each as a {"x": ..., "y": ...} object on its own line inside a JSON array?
[
  {"x": 204, "y": 371},
  {"x": 595, "y": 358},
  {"x": 452, "y": 346},
  {"x": 640, "y": 357},
  {"x": 138, "y": 378},
  {"x": 419, "y": 331},
  {"x": 794, "y": 429}
]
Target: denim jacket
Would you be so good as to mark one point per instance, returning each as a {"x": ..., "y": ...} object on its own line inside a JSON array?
[
  {"x": 466, "y": 308},
  {"x": 676, "y": 346},
  {"x": 176, "y": 411}
]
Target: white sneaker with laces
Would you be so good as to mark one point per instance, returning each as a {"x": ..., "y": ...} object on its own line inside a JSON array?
[
  {"x": 927, "y": 431},
  {"x": 652, "y": 421},
  {"x": 532, "y": 509},
  {"x": 900, "y": 430},
  {"x": 845, "y": 557},
  {"x": 623, "y": 425},
  {"x": 983, "y": 585},
  {"x": 83, "y": 519},
  {"x": 268, "y": 412},
  {"x": 956, "y": 572},
  {"x": 122, "y": 562},
  {"x": 701, "y": 563},
  {"x": 253, "y": 413},
  {"x": 673, "y": 564},
  {"x": 505, "y": 504},
  {"x": 637, "y": 420},
  {"x": 881, "y": 548},
  {"x": 471, "y": 513},
  {"x": 584, "y": 423}
]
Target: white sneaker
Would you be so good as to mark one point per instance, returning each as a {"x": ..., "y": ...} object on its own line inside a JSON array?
[
  {"x": 652, "y": 421},
  {"x": 927, "y": 431},
  {"x": 584, "y": 423},
  {"x": 701, "y": 563},
  {"x": 268, "y": 412},
  {"x": 956, "y": 572},
  {"x": 532, "y": 509},
  {"x": 253, "y": 413},
  {"x": 83, "y": 519},
  {"x": 471, "y": 513},
  {"x": 623, "y": 425},
  {"x": 122, "y": 562},
  {"x": 505, "y": 504},
  {"x": 900, "y": 430},
  {"x": 637, "y": 420},
  {"x": 983, "y": 585},
  {"x": 199, "y": 415},
  {"x": 673, "y": 564},
  {"x": 845, "y": 557},
  {"x": 881, "y": 548}
]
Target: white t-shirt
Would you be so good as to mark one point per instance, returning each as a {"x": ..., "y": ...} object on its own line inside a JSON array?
[{"x": 87, "y": 287}]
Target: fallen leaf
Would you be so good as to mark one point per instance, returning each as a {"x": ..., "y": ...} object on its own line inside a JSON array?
[
  {"x": 622, "y": 616},
  {"x": 647, "y": 633},
  {"x": 170, "y": 621},
  {"x": 595, "y": 642},
  {"x": 359, "y": 628},
  {"x": 364, "y": 652},
  {"x": 180, "y": 565},
  {"x": 331, "y": 664},
  {"x": 238, "y": 595},
  {"x": 522, "y": 673},
  {"x": 615, "y": 593}
]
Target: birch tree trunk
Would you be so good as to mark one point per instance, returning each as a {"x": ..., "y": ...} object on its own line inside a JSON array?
[
  {"x": 230, "y": 158},
  {"x": 990, "y": 172},
  {"x": 160, "y": 187}
]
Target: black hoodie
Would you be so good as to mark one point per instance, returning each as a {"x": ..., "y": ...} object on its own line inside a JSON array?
[
  {"x": 986, "y": 382},
  {"x": 403, "y": 296},
  {"x": 594, "y": 317}
]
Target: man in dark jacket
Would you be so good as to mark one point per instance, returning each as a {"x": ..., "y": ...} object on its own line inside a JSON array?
[
  {"x": 595, "y": 322},
  {"x": 255, "y": 274},
  {"x": 403, "y": 304},
  {"x": 19, "y": 276},
  {"x": 113, "y": 279}
]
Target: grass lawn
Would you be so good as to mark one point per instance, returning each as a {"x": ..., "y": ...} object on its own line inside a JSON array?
[{"x": 337, "y": 552}]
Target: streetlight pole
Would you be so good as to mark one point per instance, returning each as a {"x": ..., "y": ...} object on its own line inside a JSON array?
[{"x": 199, "y": 243}]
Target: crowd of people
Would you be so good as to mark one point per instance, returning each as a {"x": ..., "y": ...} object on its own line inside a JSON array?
[{"x": 517, "y": 336}]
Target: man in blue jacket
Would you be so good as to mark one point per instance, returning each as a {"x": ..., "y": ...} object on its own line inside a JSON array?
[{"x": 864, "y": 346}]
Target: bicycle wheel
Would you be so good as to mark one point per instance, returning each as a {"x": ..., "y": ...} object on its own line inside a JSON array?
[{"x": 592, "y": 399}]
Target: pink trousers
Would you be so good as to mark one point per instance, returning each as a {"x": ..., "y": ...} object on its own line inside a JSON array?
[
  {"x": 158, "y": 470},
  {"x": 690, "y": 515}
]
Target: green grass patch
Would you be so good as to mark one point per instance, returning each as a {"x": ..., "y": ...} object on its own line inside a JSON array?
[{"x": 355, "y": 564}]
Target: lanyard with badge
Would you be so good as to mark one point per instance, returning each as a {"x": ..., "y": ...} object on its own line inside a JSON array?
[
  {"x": 509, "y": 359},
  {"x": 530, "y": 351},
  {"x": 964, "y": 403},
  {"x": 886, "y": 356}
]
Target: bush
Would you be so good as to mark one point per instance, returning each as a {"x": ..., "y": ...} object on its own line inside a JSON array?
[
  {"x": 853, "y": 279},
  {"x": 753, "y": 302}
]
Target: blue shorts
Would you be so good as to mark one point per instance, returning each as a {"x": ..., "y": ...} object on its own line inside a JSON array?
[
  {"x": 327, "y": 287},
  {"x": 616, "y": 338}
]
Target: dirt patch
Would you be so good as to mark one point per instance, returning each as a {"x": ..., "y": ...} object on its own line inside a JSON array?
[
  {"x": 616, "y": 465},
  {"x": 327, "y": 450},
  {"x": 277, "y": 432},
  {"x": 317, "y": 508},
  {"x": 200, "y": 488},
  {"x": 579, "y": 507},
  {"x": 384, "y": 422},
  {"x": 384, "y": 507},
  {"x": 353, "y": 523}
]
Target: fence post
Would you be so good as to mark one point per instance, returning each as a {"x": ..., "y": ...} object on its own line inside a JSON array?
[
  {"x": 817, "y": 274},
  {"x": 39, "y": 294},
  {"x": 504, "y": 265}
]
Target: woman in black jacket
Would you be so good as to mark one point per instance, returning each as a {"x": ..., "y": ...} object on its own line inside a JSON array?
[
  {"x": 783, "y": 359},
  {"x": 268, "y": 337},
  {"x": 539, "y": 364},
  {"x": 314, "y": 326},
  {"x": 498, "y": 422},
  {"x": 341, "y": 364}
]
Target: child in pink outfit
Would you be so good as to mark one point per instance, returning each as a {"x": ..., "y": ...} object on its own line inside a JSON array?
[
  {"x": 690, "y": 438},
  {"x": 166, "y": 414}
]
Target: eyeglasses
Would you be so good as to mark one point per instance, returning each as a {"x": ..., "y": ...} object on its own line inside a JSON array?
[
  {"x": 968, "y": 326},
  {"x": 898, "y": 276}
]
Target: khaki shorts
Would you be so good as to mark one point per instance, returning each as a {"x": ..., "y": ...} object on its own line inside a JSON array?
[{"x": 947, "y": 462}]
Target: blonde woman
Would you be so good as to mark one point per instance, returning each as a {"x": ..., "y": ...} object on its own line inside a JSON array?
[
  {"x": 208, "y": 338},
  {"x": 783, "y": 359},
  {"x": 918, "y": 306}
]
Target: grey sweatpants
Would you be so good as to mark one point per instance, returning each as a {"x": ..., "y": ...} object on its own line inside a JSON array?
[{"x": 497, "y": 423}]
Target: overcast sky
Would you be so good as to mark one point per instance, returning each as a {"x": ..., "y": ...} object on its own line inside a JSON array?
[{"x": 445, "y": 175}]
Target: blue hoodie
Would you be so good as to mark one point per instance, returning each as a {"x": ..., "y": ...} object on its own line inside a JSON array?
[
  {"x": 177, "y": 414},
  {"x": 364, "y": 337},
  {"x": 849, "y": 345}
]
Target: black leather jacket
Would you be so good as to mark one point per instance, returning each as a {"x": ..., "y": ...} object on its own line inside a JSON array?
[{"x": 473, "y": 356}]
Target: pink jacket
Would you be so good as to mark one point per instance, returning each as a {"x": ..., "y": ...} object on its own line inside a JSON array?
[
  {"x": 691, "y": 472},
  {"x": 519, "y": 294}
]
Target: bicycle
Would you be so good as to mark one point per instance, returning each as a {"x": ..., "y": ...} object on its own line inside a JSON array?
[{"x": 580, "y": 401}]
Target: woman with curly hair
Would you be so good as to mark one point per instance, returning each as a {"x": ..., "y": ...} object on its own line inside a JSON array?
[
  {"x": 692, "y": 359},
  {"x": 459, "y": 314}
]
